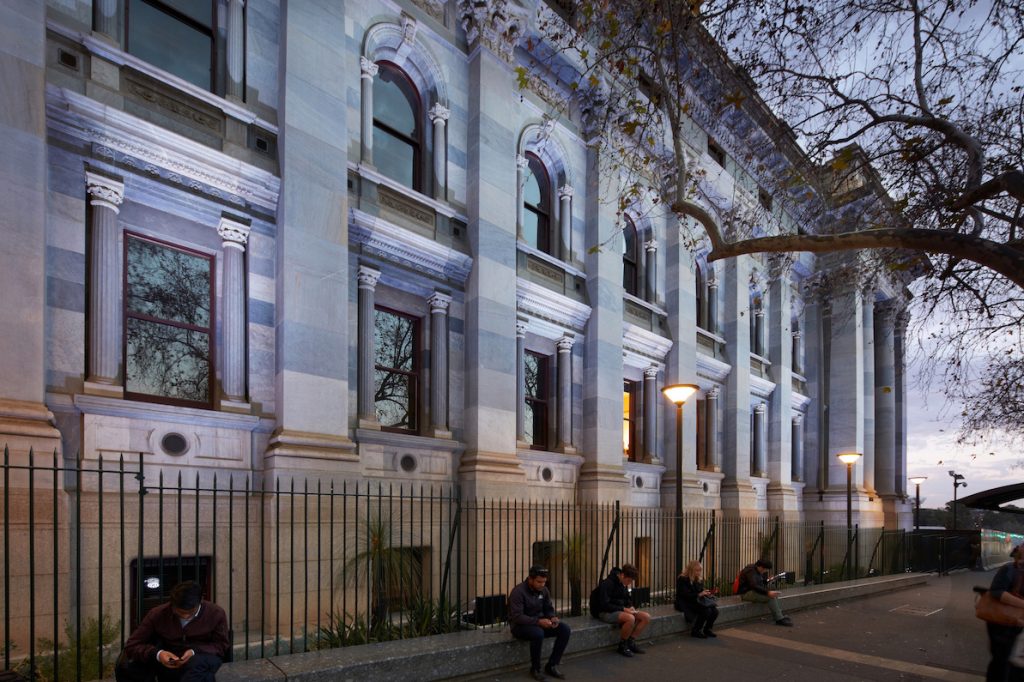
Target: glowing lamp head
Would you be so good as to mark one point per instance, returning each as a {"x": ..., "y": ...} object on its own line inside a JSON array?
[
  {"x": 849, "y": 457},
  {"x": 917, "y": 480},
  {"x": 680, "y": 393}
]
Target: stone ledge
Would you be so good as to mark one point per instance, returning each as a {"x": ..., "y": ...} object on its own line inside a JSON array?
[{"x": 471, "y": 653}]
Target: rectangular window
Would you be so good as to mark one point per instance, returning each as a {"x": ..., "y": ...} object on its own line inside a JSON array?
[
  {"x": 642, "y": 561},
  {"x": 716, "y": 152},
  {"x": 535, "y": 420},
  {"x": 168, "y": 328},
  {"x": 174, "y": 35},
  {"x": 630, "y": 393},
  {"x": 703, "y": 462},
  {"x": 396, "y": 369},
  {"x": 405, "y": 573}
]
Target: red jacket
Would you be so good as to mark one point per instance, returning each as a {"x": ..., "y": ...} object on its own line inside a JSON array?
[{"x": 161, "y": 629}]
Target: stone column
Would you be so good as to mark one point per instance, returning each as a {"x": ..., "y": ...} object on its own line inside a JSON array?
[
  {"x": 711, "y": 428},
  {"x": 439, "y": 117},
  {"x": 712, "y": 303},
  {"x": 367, "y": 347},
  {"x": 521, "y": 326},
  {"x": 522, "y": 168},
  {"x": 885, "y": 400},
  {"x": 899, "y": 354},
  {"x": 235, "y": 235},
  {"x": 869, "y": 393},
  {"x": 236, "y": 50},
  {"x": 760, "y": 461},
  {"x": 798, "y": 355},
  {"x": 105, "y": 286},
  {"x": 650, "y": 413},
  {"x": 565, "y": 393},
  {"x": 651, "y": 271},
  {"x": 758, "y": 341},
  {"x": 798, "y": 447},
  {"x": 105, "y": 19},
  {"x": 565, "y": 193},
  {"x": 737, "y": 458},
  {"x": 845, "y": 387},
  {"x": 439, "y": 303},
  {"x": 368, "y": 71}
]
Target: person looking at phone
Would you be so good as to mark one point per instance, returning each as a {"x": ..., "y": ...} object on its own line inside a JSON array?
[
  {"x": 184, "y": 640},
  {"x": 753, "y": 587},
  {"x": 695, "y": 601}
]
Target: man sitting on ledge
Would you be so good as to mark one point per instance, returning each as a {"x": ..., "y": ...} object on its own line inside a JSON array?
[
  {"x": 754, "y": 588},
  {"x": 532, "y": 617}
]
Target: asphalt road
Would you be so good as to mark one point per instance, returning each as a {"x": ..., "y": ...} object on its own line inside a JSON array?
[{"x": 925, "y": 633}]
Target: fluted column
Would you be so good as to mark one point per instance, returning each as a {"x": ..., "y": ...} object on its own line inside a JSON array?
[
  {"x": 368, "y": 71},
  {"x": 521, "y": 326},
  {"x": 758, "y": 340},
  {"x": 650, "y": 412},
  {"x": 760, "y": 462},
  {"x": 439, "y": 117},
  {"x": 712, "y": 293},
  {"x": 565, "y": 393},
  {"x": 236, "y": 49},
  {"x": 367, "y": 348},
  {"x": 522, "y": 167},
  {"x": 868, "y": 460},
  {"x": 798, "y": 447},
  {"x": 711, "y": 428},
  {"x": 798, "y": 355},
  {"x": 565, "y": 193},
  {"x": 235, "y": 235},
  {"x": 885, "y": 400},
  {"x": 105, "y": 286},
  {"x": 651, "y": 271},
  {"x": 899, "y": 355},
  {"x": 439, "y": 303},
  {"x": 105, "y": 18}
]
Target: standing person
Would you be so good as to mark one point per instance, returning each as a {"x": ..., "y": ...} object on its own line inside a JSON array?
[
  {"x": 1007, "y": 587},
  {"x": 754, "y": 588},
  {"x": 184, "y": 640},
  {"x": 696, "y": 601},
  {"x": 612, "y": 602},
  {"x": 532, "y": 617}
]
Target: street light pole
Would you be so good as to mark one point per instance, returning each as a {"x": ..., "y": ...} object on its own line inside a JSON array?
[
  {"x": 917, "y": 481},
  {"x": 849, "y": 459},
  {"x": 958, "y": 481},
  {"x": 678, "y": 394}
]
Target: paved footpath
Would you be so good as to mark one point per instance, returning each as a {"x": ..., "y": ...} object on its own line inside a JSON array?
[{"x": 923, "y": 633}]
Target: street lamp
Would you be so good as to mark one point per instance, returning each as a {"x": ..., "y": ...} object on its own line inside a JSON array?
[
  {"x": 917, "y": 481},
  {"x": 958, "y": 481},
  {"x": 679, "y": 394},
  {"x": 849, "y": 459}
]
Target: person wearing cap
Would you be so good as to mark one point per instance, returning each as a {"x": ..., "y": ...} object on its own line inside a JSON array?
[
  {"x": 1007, "y": 587},
  {"x": 184, "y": 640},
  {"x": 612, "y": 602},
  {"x": 532, "y": 617},
  {"x": 754, "y": 588}
]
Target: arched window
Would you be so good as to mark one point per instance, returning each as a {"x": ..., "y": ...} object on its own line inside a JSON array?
[
  {"x": 630, "y": 258},
  {"x": 537, "y": 206},
  {"x": 397, "y": 127},
  {"x": 702, "y": 297}
]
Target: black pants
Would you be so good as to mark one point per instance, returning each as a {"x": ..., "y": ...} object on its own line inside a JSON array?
[
  {"x": 1000, "y": 642},
  {"x": 535, "y": 634},
  {"x": 200, "y": 668},
  {"x": 704, "y": 617}
]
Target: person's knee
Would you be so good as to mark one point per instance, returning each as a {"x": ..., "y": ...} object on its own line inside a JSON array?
[{"x": 626, "y": 618}]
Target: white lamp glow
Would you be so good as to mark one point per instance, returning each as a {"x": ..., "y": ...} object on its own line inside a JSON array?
[
  {"x": 680, "y": 393},
  {"x": 849, "y": 457}
]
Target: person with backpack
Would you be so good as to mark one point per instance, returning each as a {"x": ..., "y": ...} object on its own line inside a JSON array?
[
  {"x": 752, "y": 586},
  {"x": 612, "y": 602},
  {"x": 1007, "y": 588},
  {"x": 532, "y": 618}
]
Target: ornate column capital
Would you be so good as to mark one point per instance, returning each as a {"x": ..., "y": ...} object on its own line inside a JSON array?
[
  {"x": 798, "y": 419},
  {"x": 368, "y": 277},
  {"x": 651, "y": 245},
  {"x": 712, "y": 393},
  {"x": 105, "y": 192},
  {"x": 439, "y": 302},
  {"x": 234, "y": 232},
  {"x": 439, "y": 112},
  {"x": 409, "y": 26},
  {"x": 495, "y": 24},
  {"x": 566, "y": 191},
  {"x": 760, "y": 408},
  {"x": 367, "y": 68},
  {"x": 651, "y": 372},
  {"x": 522, "y": 162},
  {"x": 565, "y": 344},
  {"x": 521, "y": 327}
]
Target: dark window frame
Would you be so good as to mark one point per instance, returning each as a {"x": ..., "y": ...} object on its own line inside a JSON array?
[
  {"x": 417, "y": 142},
  {"x": 703, "y": 458},
  {"x": 540, "y": 403},
  {"x": 631, "y": 281},
  {"x": 716, "y": 152},
  {"x": 634, "y": 389},
  {"x": 543, "y": 209},
  {"x": 702, "y": 298},
  {"x": 183, "y": 18},
  {"x": 416, "y": 373},
  {"x": 765, "y": 199},
  {"x": 210, "y": 331}
]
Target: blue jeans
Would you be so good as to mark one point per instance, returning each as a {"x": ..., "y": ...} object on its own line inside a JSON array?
[{"x": 536, "y": 635}]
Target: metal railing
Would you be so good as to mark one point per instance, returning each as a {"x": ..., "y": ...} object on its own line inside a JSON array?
[{"x": 89, "y": 547}]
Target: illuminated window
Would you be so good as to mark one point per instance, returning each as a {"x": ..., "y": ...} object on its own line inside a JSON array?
[{"x": 629, "y": 404}]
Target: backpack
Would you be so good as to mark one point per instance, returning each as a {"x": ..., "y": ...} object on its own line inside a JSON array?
[
  {"x": 736, "y": 583},
  {"x": 593, "y": 601}
]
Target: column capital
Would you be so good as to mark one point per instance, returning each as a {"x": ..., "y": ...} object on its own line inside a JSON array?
[
  {"x": 521, "y": 327},
  {"x": 368, "y": 277},
  {"x": 105, "y": 192},
  {"x": 234, "y": 232},
  {"x": 495, "y": 24},
  {"x": 712, "y": 393},
  {"x": 566, "y": 191},
  {"x": 439, "y": 302},
  {"x": 240, "y": 3},
  {"x": 439, "y": 112},
  {"x": 651, "y": 245},
  {"x": 522, "y": 162},
  {"x": 367, "y": 68},
  {"x": 798, "y": 419},
  {"x": 651, "y": 372},
  {"x": 565, "y": 343},
  {"x": 760, "y": 408}
]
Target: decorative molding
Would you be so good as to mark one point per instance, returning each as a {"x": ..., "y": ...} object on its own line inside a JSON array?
[
  {"x": 644, "y": 345},
  {"x": 540, "y": 304},
  {"x": 367, "y": 68},
  {"x": 761, "y": 388},
  {"x": 375, "y": 177},
  {"x": 434, "y": 8},
  {"x": 799, "y": 402},
  {"x": 521, "y": 327},
  {"x": 129, "y": 140},
  {"x": 651, "y": 245},
  {"x": 409, "y": 26},
  {"x": 439, "y": 302},
  {"x": 565, "y": 343},
  {"x": 439, "y": 112},
  {"x": 565, "y": 191},
  {"x": 131, "y": 409},
  {"x": 367, "y": 277},
  {"x": 234, "y": 232},
  {"x": 522, "y": 162},
  {"x": 712, "y": 369},
  {"x": 104, "y": 191},
  {"x": 712, "y": 393},
  {"x": 652, "y": 372},
  {"x": 399, "y": 245},
  {"x": 495, "y": 24}
]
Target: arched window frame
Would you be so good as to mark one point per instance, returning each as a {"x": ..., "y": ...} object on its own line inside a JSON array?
[
  {"x": 630, "y": 261},
  {"x": 412, "y": 94},
  {"x": 543, "y": 209}
]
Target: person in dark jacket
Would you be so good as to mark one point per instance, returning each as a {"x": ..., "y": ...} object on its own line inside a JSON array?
[
  {"x": 754, "y": 588},
  {"x": 695, "y": 601},
  {"x": 612, "y": 602},
  {"x": 184, "y": 640},
  {"x": 1007, "y": 587},
  {"x": 532, "y": 617}
]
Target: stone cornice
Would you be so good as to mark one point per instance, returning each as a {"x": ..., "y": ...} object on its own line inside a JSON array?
[
  {"x": 115, "y": 407},
  {"x": 539, "y": 304},
  {"x": 398, "y": 245},
  {"x": 710, "y": 368},
  {"x": 129, "y": 140},
  {"x": 642, "y": 346},
  {"x": 761, "y": 388}
]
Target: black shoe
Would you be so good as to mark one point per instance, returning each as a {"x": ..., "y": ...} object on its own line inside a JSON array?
[
  {"x": 634, "y": 647},
  {"x": 708, "y": 633},
  {"x": 785, "y": 622},
  {"x": 698, "y": 635},
  {"x": 538, "y": 675},
  {"x": 624, "y": 650},
  {"x": 554, "y": 672}
]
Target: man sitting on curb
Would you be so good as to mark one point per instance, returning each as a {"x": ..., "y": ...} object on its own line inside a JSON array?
[
  {"x": 754, "y": 588},
  {"x": 612, "y": 602},
  {"x": 532, "y": 617}
]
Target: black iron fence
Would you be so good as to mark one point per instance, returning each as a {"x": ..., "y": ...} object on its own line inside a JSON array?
[{"x": 88, "y": 548}]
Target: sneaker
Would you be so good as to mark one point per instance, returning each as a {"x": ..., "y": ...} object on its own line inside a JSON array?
[
  {"x": 624, "y": 650},
  {"x": 538, "y": 675},
  {"x": 708, "y": 633},
  {"x": 554, "y": 672},
  {"x": 785, "y": 622},
  {"x": 634, "y": 647}
]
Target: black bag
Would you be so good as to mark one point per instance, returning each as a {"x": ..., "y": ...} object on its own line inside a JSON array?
[
  {"x": 593, "y": 601},
  {"x": 708, "y": 600}
]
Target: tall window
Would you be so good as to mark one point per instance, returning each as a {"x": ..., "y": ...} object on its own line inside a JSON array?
[
  {"x": 536, "y": 408},
  {"x": 703, "y": 462},
  {"x": 702, "y": 298},
  {"x": 630, "y": 403},
  {"x": 757, "y": 324},
  {"x": 174, "y": 35},
  {"x": 396, "y": 369},
  {"x": 537, "y": 206},
  {"x": 397, "y": 127},
  {"x": 630, "y": 258},
  {"x": 168, "y": 327}
]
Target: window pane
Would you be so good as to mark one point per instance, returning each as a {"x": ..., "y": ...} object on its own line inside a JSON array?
[
  {"x": 394, "y": 157},
  {"x": 197, "y": 10},
  {"x": 167, "y": 361},
  {"x": 393, "y": 337},
  {"x": 626, "y": 414},
  {"x": 531, "y": 190},
  {"x": 392, "y": 103},
  {"x": 528, "y": 424},
  {"x": 170, "y": 44},
  {"x": 167, "y": 283},
  {"x": 532, "y": 365},
  {"x": 530, "y": 228},
  {"x": 393, "y": 398}
]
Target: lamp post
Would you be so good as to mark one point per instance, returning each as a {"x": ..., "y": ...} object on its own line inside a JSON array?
[
  {"x": 917, "y": 481},
  {"x": 958, "y": 481},
  {"x": 678, "y": 394},
  {"x": 849, "y": 459}
]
